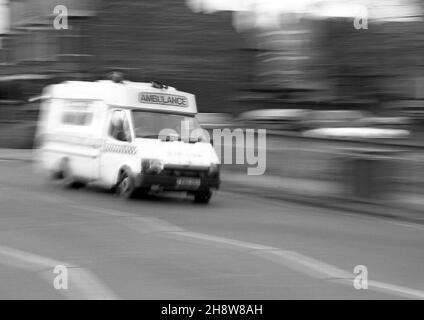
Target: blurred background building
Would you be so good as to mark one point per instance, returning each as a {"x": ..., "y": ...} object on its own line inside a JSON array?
[
  {"x": 234, "y": 55},
  {"x": 161, "y": 40}
]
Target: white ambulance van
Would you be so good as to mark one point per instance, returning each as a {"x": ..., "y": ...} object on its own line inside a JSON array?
[{"x": 127, "y": 136}]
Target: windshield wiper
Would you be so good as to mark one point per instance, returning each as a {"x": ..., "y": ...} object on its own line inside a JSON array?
[
  {"x": 183, "y": 140},
  {"x": 149, "y": 136},
  {"x": 168, "y": 138}
]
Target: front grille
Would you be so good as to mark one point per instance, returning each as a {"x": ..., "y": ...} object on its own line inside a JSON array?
[{"x": 185, "y": 173}]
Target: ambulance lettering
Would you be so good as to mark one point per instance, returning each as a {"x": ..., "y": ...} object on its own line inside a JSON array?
[{"x": 164, "y": 99}]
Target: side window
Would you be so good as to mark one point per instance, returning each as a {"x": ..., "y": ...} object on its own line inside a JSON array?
[
  {"x": 119, "y": 128},
  {"x": 77, "y": 113}
]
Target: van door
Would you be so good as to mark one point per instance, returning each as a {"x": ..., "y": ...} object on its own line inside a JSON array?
[
  {"x": 117, "y": 149},
  {"x": 72, "y": 136}
]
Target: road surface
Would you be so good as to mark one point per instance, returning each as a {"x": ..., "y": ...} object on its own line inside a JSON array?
[{"x": 166, "y": 247}]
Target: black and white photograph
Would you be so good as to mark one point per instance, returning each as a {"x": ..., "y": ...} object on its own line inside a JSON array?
[{"x": 212, "y": 156}]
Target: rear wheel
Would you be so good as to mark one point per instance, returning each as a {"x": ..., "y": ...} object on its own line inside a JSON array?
[
  {"x": 68, "y": 180},
  {"x": 203, "y": 197}
]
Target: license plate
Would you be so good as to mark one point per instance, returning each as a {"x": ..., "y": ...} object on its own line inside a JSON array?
[{"x": 189, "y": 183}]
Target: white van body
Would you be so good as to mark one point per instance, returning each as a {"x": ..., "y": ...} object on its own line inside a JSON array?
[{"x": 97, "y": 132}]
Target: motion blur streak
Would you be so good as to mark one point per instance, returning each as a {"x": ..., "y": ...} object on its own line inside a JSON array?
[
  {"x": 106, "y": 107},
  {"x": 165, "y": 247},
  {"x": 294, "y": 260},
  {"x": 83, "y": 284}
]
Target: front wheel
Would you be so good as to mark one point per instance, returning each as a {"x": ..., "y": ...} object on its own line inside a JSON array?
[
  {"x": 125, "y": 187},
  {"x": 203, "y": 197}
]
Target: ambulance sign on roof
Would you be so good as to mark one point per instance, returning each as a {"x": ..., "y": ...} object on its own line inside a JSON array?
[{"x": 163, "y": 99}]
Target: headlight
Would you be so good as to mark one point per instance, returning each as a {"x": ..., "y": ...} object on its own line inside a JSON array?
[
  {"x": 214, "y": 170},
  {"x": 152, "y": 165}
]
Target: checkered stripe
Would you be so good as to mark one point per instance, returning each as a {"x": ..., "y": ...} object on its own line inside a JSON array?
[{"x": 116, "y": 148}]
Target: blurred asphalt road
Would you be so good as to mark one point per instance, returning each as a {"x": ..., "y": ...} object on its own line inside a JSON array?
[{"x": 166, "y": 247}]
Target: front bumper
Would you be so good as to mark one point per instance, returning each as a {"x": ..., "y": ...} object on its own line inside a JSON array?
[{"x": 168, "y": 182}]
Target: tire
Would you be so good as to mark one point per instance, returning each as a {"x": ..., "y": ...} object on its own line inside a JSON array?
[
  {"x": 202, "y": 197},
  {"x": 68, "y": 180},
  {"x": 142, "y": 193},
  {"x": 125, "y": 188}
]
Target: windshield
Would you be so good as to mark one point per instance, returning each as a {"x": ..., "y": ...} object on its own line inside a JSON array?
[{"x": 154, "y": 125}]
